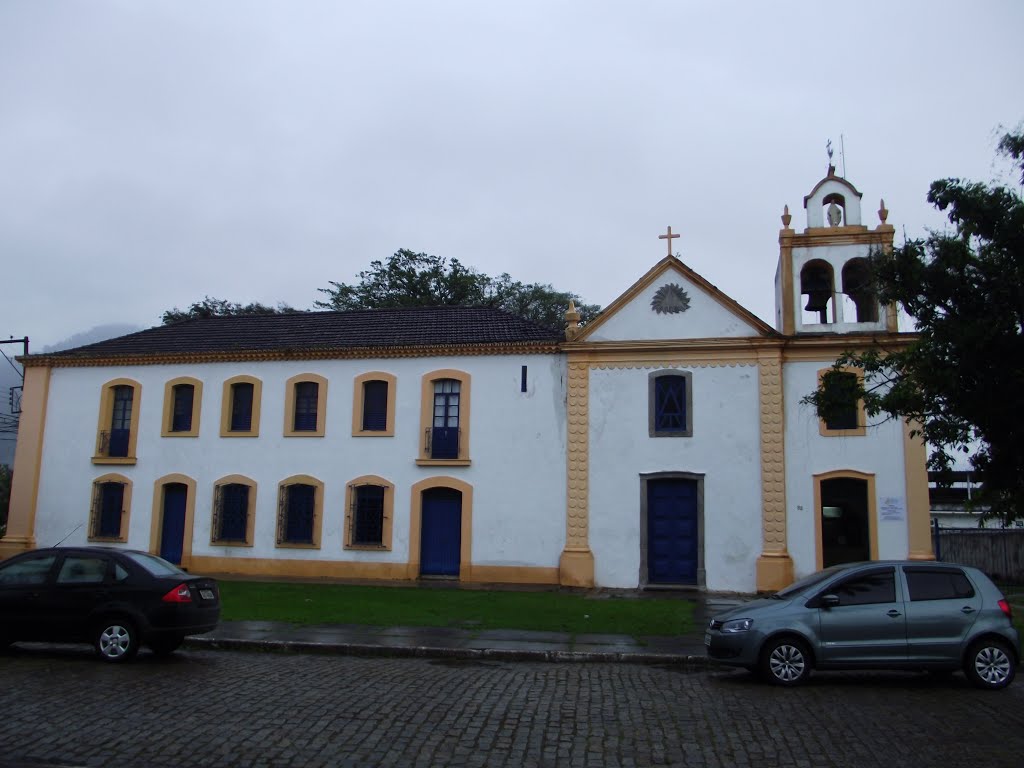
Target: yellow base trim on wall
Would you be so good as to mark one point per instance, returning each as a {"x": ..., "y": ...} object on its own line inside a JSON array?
[
  {"x": 297, "y": 569},
  {"x": 774, "y": 572}
]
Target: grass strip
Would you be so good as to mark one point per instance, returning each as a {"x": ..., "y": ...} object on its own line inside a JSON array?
[{"x": 300, "y": 603}]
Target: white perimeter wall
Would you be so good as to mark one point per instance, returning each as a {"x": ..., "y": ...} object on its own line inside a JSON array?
[
  {"x": 517, "y": 447},
  {"x": 725, "y": 447},
  {"x": 879, "y": 452}
]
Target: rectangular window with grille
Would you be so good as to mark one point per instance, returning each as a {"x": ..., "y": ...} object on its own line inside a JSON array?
[
  {"x": 231, "y": 522},
  {"x": 298, "y": 508},
  {"x": 670, "y": 404},
  {"x": 108, "y": 508},
  {"x": 368, "y": 516}
]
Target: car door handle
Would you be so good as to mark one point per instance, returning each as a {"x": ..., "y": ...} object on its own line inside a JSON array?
[
  {"x": 967, "y": 609},
  {"x": 893, "y": 613}
]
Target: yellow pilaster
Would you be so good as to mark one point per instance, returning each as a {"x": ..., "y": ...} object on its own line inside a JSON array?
[
  {"x": 919, "y": 538},
  {"x": 774, "y": 566},
  {"x": 576, "y": 565},
  {"x": 28, "y": 462}
]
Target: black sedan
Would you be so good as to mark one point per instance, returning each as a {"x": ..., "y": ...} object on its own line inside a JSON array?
[{"x": 116, "y": 599}]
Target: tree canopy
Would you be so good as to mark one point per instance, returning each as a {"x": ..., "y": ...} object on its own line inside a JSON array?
[
  {"x": 408, "y": 279},
  {"x": 211, "y": 307},
  {"x": 960, "y": 382}
]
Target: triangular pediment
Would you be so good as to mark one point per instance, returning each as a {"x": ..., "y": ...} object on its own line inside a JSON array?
[{"x": 672, "y": 302}]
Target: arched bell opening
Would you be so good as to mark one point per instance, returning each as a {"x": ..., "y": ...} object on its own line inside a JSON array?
[
  {"x": 816, "y": 291},
  {"x": 834, "y": 206},
  {"x": 859, "y": 299}
]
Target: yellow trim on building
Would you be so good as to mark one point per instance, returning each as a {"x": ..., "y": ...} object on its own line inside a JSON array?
[
  {"x": 416, "y": 523},
  {"x": 157, "y": 517},
  {"x": 318, "y": 510},
  {"x": 389, "y": 512},
  {"x": 28, "y": 458},
  {"x": 359, "y": 402},
  {"x": 774, "y": 567},
  {"x": 168, "y": 414},
  {"x": 105, "y": 419},
  {"x": 872, "y": 510},
  {"x": 126, "y": 508},
  {"x": 227, "y": 405},
  {"x": 250, "y": 515},
  {"x": 919, "y": 518},
  {"x": 321, "y": 405},
  {"x": 427, "y": 417}
]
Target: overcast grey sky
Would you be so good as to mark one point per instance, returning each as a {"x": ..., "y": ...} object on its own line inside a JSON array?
[{"x": 155, "y": 152}]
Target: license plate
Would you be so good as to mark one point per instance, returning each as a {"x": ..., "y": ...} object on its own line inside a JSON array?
[
  {"x": 206, "y": 594},
  {"x": 707, "y": 639}
]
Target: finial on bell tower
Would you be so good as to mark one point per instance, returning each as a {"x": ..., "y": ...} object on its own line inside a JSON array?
[
  {"x": 572, "y": 318},
  {"x": 786, "y": 217},
  {"x": 883, "y": 212}
]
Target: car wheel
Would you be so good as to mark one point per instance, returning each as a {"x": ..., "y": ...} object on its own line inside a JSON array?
[
  {"x": 990, "y": 664},
  {"x": 165, "y": 646},
  {"x": 116, "y": 640},
  {"x": 785, "y": 661}
]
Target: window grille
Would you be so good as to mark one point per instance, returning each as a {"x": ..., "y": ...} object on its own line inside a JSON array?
[
  {"x": 306, "y": 394},
  {"x": 368, "y": 515},
  {"x": 296, "y": 512}
]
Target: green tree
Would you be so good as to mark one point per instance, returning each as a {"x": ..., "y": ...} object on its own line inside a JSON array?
[
  {"x": 409, "y": 279},
  {"x": 960, "y": 381},
  {"x": 211, "y": 307}
]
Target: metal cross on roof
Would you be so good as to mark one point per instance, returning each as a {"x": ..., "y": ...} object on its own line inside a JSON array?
[{"x": 669, "y": 237}]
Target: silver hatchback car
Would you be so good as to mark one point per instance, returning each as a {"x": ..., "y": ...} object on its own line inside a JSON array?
[{"x": 877, "y": 615}]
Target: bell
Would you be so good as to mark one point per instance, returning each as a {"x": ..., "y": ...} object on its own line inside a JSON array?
[{"x": 817, "y": 301}]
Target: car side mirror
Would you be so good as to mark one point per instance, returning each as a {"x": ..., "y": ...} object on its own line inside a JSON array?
[{"x": 828, "y": 601}]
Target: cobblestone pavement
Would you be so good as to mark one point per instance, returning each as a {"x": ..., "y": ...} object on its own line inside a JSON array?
[{"x": 225, "y": 708}]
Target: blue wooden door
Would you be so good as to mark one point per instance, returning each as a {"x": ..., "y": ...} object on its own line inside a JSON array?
[
  {"x": 172, "y": 538},
  {"x": 672, "y": 536},
  {"x": 441, "y": 532}
]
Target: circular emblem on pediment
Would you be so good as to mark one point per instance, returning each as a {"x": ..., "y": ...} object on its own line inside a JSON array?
[{"x": 670, "y": 299}]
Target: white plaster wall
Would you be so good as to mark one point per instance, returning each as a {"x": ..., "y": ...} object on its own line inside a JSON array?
[
  {"x": 725, "y": 447},
  {"x": 836, "y": 256},
  {"x": 517, "y": 447},
  {"x": 879, "y": 452},
  {"x": 706, "y": 317}
]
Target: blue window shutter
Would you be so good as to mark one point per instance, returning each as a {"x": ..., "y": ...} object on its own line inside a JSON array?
[
  {"x": 241, "y": 407},
  {"x": 181, "y": 416},
  {"x": 111, "y": 506},
  {"x": 375, "y": 406},
  {"x": 306, "y": 393}
]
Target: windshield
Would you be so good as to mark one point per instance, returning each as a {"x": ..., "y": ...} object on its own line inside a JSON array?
[
  {"x": 809, "y": 581},
  {"x": 155, "y": 565}
]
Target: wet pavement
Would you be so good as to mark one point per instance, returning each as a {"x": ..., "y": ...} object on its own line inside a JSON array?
[{"x": 463, "y": 643}]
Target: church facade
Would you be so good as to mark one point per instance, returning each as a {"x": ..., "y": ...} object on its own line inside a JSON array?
[{"x": 663, "y": 444}]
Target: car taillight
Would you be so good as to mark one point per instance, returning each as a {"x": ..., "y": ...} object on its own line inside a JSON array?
[
  {"x": 1005, "y": 608},
  {"x": 180, "y": 594}
]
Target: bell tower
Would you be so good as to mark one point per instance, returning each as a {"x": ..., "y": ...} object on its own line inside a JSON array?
[{"x": 822, "y": 283}]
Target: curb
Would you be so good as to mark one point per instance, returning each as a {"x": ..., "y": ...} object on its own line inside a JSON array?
[{"x": 464, "y": 654}]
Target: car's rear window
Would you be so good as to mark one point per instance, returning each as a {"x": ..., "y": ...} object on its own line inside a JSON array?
[
  {"x": 937, "y": 584},
  {"x": 157, "y": 566}
]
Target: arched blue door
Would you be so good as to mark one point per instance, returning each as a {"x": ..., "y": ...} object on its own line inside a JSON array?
[
  {"x": 172, "y": 537},
  {"x": 672, "y": 535},
  {"x": 441, "y": 532}
]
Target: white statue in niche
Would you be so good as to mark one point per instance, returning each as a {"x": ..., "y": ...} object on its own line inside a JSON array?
[{"x": 835, "y": 214}]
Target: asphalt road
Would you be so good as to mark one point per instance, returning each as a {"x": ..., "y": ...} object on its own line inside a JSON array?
[{"x": 224, "y": 708}]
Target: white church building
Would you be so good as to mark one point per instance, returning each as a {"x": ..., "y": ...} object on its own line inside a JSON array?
[{"x": 663, "y": 444}]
